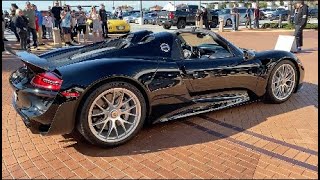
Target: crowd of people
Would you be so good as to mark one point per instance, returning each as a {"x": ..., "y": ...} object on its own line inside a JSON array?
[{"x": 70, "y": 24}]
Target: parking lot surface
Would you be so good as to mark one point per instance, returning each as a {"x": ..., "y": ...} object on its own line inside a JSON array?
[{"x": 256, "y": 140}]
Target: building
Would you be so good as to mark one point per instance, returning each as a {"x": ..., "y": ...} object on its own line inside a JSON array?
[
  {"x": 156, "y": 8},
  {"x": 125, "y": 8}
]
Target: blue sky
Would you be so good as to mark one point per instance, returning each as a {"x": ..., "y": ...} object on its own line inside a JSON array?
[{"x": 43, "y": 5}]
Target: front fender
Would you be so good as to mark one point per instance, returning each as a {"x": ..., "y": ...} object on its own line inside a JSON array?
[{"x": 269, "y": 59}]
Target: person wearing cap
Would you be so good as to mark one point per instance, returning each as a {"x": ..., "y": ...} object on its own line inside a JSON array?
[
  {"x": 30, "y": 14},
  {"x": 301, "y": 20},
  {"x": 104, "y": 18},
  {"x": 39, "y": 25},
  {"x": 56, "y": 10}
]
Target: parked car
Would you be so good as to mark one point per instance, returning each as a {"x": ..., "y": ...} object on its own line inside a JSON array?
[
  {"x": 129, "y": 13},
  {"x": 225, "y": 14},
  {"x": 115, "y": 25},
  {"x": 149, "y": 17},
  {"x": 275, "y": 15},
  {"x": 313, "y": 13},
  {"x": 108, "y": 90},
  {"x": 132, "y": 17},
  {"x": 183, "y": 16}
]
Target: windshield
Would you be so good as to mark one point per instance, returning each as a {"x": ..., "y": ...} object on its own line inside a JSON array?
[{"x": 224, "y": 11}]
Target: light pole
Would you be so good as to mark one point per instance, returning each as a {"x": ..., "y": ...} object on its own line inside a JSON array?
[
  {"x": 200, "y": 4},
  {"x": 141, "y": 13}
]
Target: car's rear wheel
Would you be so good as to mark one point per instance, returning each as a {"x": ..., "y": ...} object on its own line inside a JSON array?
[
  {"x": 282, "y": 82},
  {"x": 145, "y": 21},
  {"x": 112, "y": 114},
  {"x": 166, "y": 26}
]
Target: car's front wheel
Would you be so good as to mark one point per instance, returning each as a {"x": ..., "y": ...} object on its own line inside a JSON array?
[
  {"x": 282, "y": 82},
  {"x": 112, "y": 114}
]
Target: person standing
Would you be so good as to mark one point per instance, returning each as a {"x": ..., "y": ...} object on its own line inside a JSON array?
[
  {"x": 56, "y": 10},
  {"x": 96, "y": 23},
  {"x": 13, "y": 14},
  {"x": 39, "y": 24},
  {"x": 81, "y": 24},
  {"x": 44, "y": 29},
  {"x": 256, "y": 17},
  {"x": 31, "y": 16},
  {"x": 114, "y": 12},
  {"x": 234, "y": 13},
  {"x": 248, "y": 18},
  {"x": 205, "y": 18},
  {"x": 3, "y": 27},
  {"x": 22, "y": 28},
  {"x": 301, "y": 20},
  {"x": 104, "y": 19},
  {"x": 198, "y": 18},
  {"x": 120, "y": 13},
  {"x": 66, "y": 25},
  {"x": 49, "y": 24},
  {"x": 73, "y": 26}
]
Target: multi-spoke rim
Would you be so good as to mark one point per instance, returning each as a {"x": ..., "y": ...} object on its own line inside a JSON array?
[
  {"x": 283, "y": 81},
  {"x": 114, "y": 115}
]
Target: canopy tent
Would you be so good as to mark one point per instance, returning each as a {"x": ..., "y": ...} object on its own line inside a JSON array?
[{"x": 169, "y": 7}]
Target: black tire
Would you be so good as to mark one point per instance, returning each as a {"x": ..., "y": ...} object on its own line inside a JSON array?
[
  {"x": 181, "y": 24},
  {"x": 269, "y": 96},
  {"x": 228, "y": 22},
  {"x": 83, "y": 125},
  {"x": 145, "y": 21},
  {"x": 166, "y": 26}
]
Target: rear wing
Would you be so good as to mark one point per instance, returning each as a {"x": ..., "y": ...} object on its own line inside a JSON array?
[{"x": 30, "y": 59}]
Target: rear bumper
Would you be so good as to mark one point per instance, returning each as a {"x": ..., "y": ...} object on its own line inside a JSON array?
[
  {"x": 60, "y": 117},
  {"x": 41, "y": 109},
  {"x": 165, "y": 21}
]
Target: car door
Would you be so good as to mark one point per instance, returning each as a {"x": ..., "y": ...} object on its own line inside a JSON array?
[{"x": 219, "y": 72}]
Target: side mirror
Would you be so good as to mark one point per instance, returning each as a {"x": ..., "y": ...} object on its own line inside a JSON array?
[{"x": 248, "y": 55}]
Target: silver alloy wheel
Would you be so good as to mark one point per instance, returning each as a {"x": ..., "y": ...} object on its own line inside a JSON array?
[
  {"x": 114, "y": 115},
  {"x": 283, "y": 81}
]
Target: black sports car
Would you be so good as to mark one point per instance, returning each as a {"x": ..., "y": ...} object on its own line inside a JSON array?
[{"x": 108, "y": 90}]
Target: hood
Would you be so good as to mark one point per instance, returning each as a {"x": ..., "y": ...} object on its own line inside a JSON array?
[{"x": 118, "y": 22}]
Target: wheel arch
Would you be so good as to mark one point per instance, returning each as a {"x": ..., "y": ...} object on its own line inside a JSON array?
[
  {"x": 297, "y": 68},
  {"x": 105, "y": 80}
]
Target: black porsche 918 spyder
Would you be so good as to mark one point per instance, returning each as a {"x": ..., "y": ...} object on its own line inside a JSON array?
[{"x": 108, "y": 90}]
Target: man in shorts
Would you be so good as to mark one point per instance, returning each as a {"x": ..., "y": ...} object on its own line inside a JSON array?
[
  {"x": 66, "y": 25},
  {"x": 81, "y": 24}
]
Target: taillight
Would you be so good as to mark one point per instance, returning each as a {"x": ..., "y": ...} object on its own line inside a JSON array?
[
  {"x": 171, "y": 15},
  {"x": 47, "y": 81}
]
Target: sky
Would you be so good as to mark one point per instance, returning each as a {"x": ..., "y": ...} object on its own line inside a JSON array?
[{"x": 43, "y": 5}]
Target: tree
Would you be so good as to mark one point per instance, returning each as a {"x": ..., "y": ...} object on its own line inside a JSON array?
[
  {"x": 210, "y": 6},
  {"x": 263, "y": 5},
  {"x": 281, "y": 3}
]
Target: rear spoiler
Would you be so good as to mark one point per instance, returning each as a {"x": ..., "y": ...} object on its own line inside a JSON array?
[{"x": 30, "y": 59}]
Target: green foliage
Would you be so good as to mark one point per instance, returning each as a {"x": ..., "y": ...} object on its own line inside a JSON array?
[
  {"x": 281, "y": 3},
  {"x": 263, "y": 4},
  {"x": 287, "y": 26}
]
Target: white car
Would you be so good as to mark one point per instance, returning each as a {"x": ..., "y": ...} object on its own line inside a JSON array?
[{"x": 228, "y": 18}]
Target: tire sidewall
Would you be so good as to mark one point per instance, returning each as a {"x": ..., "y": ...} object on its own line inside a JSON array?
[
  {"x": 181, "y": 24},
  {"x": 269, "y": 95},
  {"x": 83, "y": 124}
]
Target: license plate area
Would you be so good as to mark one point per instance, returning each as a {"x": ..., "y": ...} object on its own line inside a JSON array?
[{"x": 120, "y": 27}]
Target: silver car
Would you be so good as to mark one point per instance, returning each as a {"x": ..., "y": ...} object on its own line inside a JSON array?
[{"x": 228, "y": 18}]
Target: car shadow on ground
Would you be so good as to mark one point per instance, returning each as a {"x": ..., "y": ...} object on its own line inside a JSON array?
[{"x": 199, "y": 129}]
